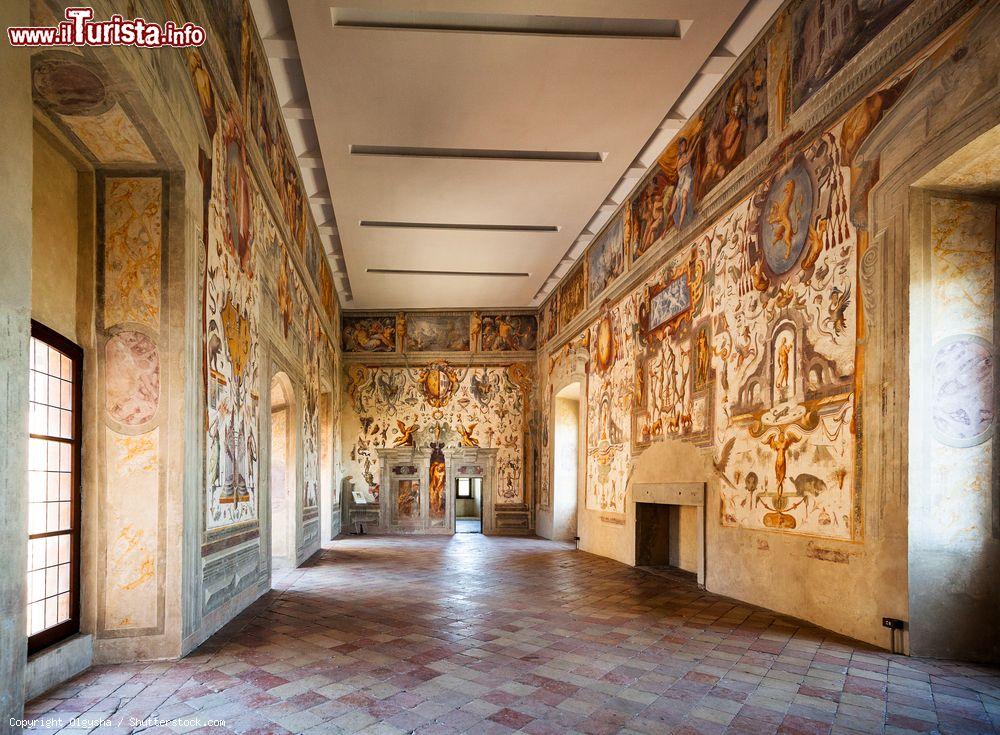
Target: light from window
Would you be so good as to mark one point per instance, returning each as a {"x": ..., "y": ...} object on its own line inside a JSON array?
[
  {"x": 53, "y": 496},
  {"x": 466, "y": 487}
]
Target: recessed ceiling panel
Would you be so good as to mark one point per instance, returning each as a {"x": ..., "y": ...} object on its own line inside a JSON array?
[{"x": 434, "y": 116}]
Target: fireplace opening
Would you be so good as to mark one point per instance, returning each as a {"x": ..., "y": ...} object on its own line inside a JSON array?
[{"x": 660, "y": 542}]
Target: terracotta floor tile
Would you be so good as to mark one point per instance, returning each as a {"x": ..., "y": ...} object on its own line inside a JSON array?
[{"x": 489, "y": 635}]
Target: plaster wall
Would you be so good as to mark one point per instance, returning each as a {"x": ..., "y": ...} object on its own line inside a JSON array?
[
  {"x": 54, "y": 238},
  {"x": 954, "y": 551},
  {"x": 566, "y": 468},
  {"x": 15, "y": 313}
]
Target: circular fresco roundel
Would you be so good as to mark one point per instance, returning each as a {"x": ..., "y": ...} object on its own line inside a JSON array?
[
  {"x": 784, "y": 220},
  {"x": 962, "y": 390}
]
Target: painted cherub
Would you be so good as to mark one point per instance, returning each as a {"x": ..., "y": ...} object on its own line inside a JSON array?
[
  {"x": 467, "y": 439},
  {"x": 405, "y": 438}
]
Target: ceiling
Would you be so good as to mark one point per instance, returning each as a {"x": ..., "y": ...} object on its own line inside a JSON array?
[{"x": 463, "y": 153}]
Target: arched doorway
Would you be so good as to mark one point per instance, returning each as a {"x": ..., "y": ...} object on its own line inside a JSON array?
[
  {"x": 565, "y": 462},
  {"x": 283, "y": 470}
]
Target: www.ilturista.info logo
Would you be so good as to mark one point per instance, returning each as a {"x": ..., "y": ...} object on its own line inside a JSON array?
[{"x": 79, "y": 30}]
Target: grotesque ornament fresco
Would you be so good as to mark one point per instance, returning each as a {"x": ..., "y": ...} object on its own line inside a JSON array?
[
  {"x": 231, "y": 297},
  {"x": 440, "y": 404}
]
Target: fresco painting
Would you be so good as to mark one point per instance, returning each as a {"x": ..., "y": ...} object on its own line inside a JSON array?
[
  {"x": 407, "y": 500},
  {"x": 609, "y": 408},
  {"x": 745, "y": 341},
  {"x": 133, "y": 209},
  {"x": 132, "y": 388},
  {"x": 439, "y": 404},
  {"x": 548, "y": 319},
  {"x": 606, "y": 258},
  {"x": 369, "y": 334},
  {"x": 436, "y": 332},
  {"x": 132, "y": 563},
  {"x": 263, "y": 116},
  {"x": 436, "y": 489},
  {"x": 736, "y": 122},
  {"x": 829, "y": 33},
  {"x": 73, "y": 89},
  {"x": 963, "y": 287},
  {"x": 572, "y": 295},
  {"x": 310, "y": 409},
  {"x": 709, "y": 146},
  {"x": 231, "y": 300},
  {"x": 507, "y": 332}
]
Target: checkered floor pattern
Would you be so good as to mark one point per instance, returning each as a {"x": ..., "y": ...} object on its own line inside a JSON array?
[{"x": 476, "y": 634}]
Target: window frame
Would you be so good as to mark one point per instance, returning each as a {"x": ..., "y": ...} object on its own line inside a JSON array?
[
  {"x": 61, "y": 631},
  {"x": 475, "y": 483}
]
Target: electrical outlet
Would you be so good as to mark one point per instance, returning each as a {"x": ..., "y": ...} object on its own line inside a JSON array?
[{"x": 892, "y": 623}]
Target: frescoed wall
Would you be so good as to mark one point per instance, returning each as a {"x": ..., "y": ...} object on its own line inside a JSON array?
[
  {"x": 736, "y": 356},
  {"x": 481, "y": 406},
  {"x": 257, "y": 307},
  {"x": 209, "y": 272}
]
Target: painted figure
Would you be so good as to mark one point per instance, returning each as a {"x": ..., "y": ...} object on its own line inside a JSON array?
[
  {"x": 784, "y": 349},
  {"x": 436, "y": 488},
  {"x": 780, "y": 442},
  {"x": 684, "y": 191}
]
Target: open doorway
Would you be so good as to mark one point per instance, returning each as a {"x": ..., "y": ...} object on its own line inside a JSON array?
[
  {"x": 565, "y": 462},
  {"x": 954, "y": 494},
  {"x": 469, "y": 505},
  {"x": 282, "y": 472}
]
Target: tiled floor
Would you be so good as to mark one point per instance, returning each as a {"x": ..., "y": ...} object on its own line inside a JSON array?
[
  {"x": 468, "y": 525},
  {"x": 488, "y": 635}
]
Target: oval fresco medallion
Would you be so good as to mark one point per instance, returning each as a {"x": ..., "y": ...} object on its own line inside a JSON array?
[
  {"x": 784, "y": 219},
  {"x": 962, "y": 407},
  {"x": 69, "y": 87},
  {"x": 132, "y": 393},
  {"x": 605, "y": 344}
]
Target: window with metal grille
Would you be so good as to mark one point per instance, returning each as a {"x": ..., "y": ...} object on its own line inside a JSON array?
[{"x": 54, "y": 392}]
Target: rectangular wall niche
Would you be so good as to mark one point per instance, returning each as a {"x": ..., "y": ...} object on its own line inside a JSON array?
[{"x": 653, "y": 503}]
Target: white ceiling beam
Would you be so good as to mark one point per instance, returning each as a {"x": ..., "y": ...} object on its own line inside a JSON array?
[
  {"x": 719, "y": 62},
  {"x": 281, "y": 46},
  {"x": 673, "y": 121},
  {"x": 297, "y": 110},
  {"x": 311, "y": 159}
]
